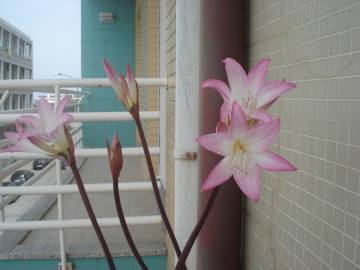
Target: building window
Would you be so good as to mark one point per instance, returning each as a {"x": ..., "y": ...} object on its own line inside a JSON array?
[
  {"x": 6, "y": 39},
  {"x": 14, "y": 44},
  {"x": 6, "y": 72},
  {"x": 22, "y": 73},
  {"x": 28, "y": 50},
  {"x": 22, "y": 100},
  {"x": 14, "y": 72},
  {"x": 14, "y": 101},
  {"x": 7, "y": 103},
  {"x": 22, "y": 48}
]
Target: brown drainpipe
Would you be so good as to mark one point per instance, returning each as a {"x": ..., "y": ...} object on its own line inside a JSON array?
[{"x": 223, "y": 25}]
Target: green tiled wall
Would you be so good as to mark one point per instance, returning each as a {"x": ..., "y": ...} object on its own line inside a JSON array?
[{"x": 115, "y": 42}]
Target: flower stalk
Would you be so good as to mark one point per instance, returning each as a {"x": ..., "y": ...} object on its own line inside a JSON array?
[
  {"x": 127, "y": 91},
  {"x": 197, "y": 229},
  {"x": 155, "y": 187},
  {"x": 116, "y": 161},
  {"x": 125, "y": 227},
  {"x": 87, "y": 204}
]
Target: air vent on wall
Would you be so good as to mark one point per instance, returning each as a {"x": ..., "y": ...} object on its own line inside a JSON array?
[{"x": 107, "y": 17}]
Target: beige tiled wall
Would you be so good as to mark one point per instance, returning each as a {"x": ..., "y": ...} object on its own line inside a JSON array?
[
  {"x": 310, "y": 219},
  {"x": 147, "y": 61},
  {"x": 170, "y": 117},
  {"x": 147, "y": 64}
]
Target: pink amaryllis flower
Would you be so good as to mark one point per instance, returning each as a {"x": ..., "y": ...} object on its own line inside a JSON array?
[
  {"x": 126, "y": 89},
  {"x": 252, "y": 91},
  {"x": 246, "y": 150},
  {"x": 44, "y": 134}
]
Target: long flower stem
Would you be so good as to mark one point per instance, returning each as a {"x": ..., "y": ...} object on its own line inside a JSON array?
[
  {"x": 125, "y": 227},
  {"x": 155, "y": 187},
  {"x": 90, "y": 211},
  {"x": 195, "y": 233}
]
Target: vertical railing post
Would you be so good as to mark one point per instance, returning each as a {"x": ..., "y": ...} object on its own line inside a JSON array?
[{"x": 59, "y": 196}]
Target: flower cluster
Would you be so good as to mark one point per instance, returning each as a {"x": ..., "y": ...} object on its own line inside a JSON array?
[
  {"x": 44, "y": 135},
  {"x": 246, "y": 130}
]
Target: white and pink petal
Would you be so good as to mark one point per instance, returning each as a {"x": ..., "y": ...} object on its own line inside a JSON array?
[
  {"x": 271, "y": 91},
  {"x": 261, "y": 136},
  {"x": 62, "y": 105},
  {"x": 238, "y": 120},
  {"x": 257, "y": 76},
  {"x": 221, "y": 87},
  {"x": 20, "y": 144},
  {"x": 218, "y": 175},
  {"x": 249, "y": 181},
  {"x": 262, "y": 116},
  {"x": 46, "y": 113},
  {"x": 237, "y": 78},
  {"x": 219, "y": 143},
  {"x": 272, "y": 162}
]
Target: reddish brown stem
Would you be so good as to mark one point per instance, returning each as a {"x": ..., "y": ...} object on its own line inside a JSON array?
[
  {"x": 195, "y": 233},
  {"x": 125, "y": 227},
  {"x": 155, "y": 187},
  {"x": 90, "y": 211}
]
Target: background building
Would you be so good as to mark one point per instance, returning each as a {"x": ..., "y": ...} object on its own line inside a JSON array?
[{"x": 15, "y": 63}]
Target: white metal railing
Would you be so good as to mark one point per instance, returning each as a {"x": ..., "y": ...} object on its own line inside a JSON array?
[
  {"x": 89, "y": 116},
  {"x": 84, "y": 152},
  {"x": 59, "y": 189}
]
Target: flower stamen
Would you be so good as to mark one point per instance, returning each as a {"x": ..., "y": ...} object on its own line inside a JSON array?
[{"x": 237, "y": 147}]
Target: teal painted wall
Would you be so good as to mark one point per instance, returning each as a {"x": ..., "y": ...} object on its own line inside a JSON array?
[
  {"x": 115, "y": 42},
  {"x": 128, "y": 263}
]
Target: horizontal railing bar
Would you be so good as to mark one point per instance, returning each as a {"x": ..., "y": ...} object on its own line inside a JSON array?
[
  {"x": 88, "y": 82},
  {"x": 84, "y": 152},
  {"x": 73, "y": 189},
  {"x": 76, "y": 223},
  {"x": 30, "y": 110},
  {"x": 47, "y": 90},
  {"x": 90, "y": 116}
]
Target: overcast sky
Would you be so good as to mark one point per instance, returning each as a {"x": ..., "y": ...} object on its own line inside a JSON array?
[{"x": 54, "y": 27}]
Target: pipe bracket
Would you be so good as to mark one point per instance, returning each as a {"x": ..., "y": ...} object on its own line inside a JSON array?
[{"x": 186, "y": 155}]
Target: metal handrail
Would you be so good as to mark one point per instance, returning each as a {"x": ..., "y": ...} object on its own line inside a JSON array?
[
  {"x": 90, "y": 116},
  {"x": 88, "y": 82},
  {"x": 83, "y": 153}
]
